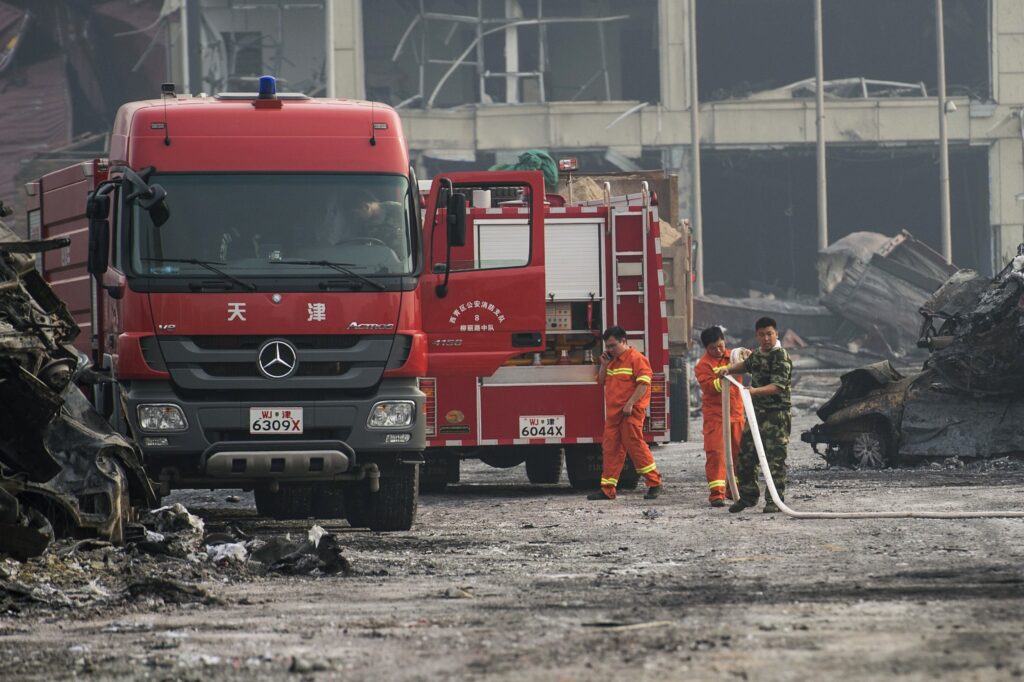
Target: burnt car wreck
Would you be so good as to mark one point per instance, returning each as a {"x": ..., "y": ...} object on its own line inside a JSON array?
[
  {"x": 63, "y": 470},
  {"x": 966, "y": 402}
]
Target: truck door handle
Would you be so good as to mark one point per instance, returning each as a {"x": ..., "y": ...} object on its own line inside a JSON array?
[{"x": 526, "y": 339}]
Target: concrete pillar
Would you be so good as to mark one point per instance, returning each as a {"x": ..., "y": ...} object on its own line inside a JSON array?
[
  {"x": 673, "y": 18},
  {"x": 675, "y": 160},
  {"x": 346, "y": 71},
  {"x": 1006, "y": 182}
]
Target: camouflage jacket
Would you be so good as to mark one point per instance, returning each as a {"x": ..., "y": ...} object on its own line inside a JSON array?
[{"x": 773, "y": 367}]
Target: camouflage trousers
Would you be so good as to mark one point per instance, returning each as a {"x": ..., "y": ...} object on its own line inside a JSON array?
[{"x": 775, "y": 426}]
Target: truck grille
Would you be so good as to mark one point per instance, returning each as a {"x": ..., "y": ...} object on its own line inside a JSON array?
[{"x": 337, "y": 362}]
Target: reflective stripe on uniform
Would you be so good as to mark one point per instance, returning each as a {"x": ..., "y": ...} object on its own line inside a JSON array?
[
  {"x": 716, "y": 484},
  {"x": 717, "y": 383},
  {"x": 647, "y": 469},
  {"x": 643, "y": 380},
  {"x": 609, "y": 481},
  {"x": 621, "y": 370}
]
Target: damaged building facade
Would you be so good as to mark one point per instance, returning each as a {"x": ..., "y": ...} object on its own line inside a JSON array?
[
  {"x": 478, "y": 81},
  {"x": 608, "y": 82}
]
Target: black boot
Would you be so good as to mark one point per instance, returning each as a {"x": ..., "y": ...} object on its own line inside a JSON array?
[
  {"x": 652, "y": 492},
  {"x": 599, "y": 495},
  {"x": 740, "y": 504}
]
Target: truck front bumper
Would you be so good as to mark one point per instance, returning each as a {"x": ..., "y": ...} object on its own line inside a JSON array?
[{"x": 216, "y": 445}]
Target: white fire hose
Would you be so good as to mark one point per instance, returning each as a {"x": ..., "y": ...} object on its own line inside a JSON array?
[{"x": 755, "y": 431}]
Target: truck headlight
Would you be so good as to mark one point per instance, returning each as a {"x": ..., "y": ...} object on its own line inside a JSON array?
[
  {"x": 161, "y": 418},
  {"x": 391, "y": 415}
]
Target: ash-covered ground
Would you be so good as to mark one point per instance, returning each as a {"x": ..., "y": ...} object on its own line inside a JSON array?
[{"x": 503, "y": 580}]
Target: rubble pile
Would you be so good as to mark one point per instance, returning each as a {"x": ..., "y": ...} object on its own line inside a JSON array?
[
  {"x": 171, "y": 562},
  {"x": 967, "y": 401},
  {"x": 64, "y": 472}
]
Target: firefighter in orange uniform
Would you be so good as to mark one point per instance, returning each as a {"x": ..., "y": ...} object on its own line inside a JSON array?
[
  {"x": 717, "y": 355},
  {"x": 626, "y": 376}
]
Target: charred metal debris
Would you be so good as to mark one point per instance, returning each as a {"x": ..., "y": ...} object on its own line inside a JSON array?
[
  {"x": 64, "y": 472},
  {"x": 967, "y": 402}
]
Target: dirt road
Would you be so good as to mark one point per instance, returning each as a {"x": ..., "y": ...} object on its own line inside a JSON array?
[{"x": 503, "y": 580}]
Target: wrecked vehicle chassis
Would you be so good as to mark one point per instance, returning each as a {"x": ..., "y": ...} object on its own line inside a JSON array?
[
  {"x": 63, "y": 470},
  {"x": 967, "y": 402},
  {"x": 910, "y": 420}
]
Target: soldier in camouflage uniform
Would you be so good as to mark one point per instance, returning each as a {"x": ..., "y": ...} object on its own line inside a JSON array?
[{"x": 771, "y": 374}]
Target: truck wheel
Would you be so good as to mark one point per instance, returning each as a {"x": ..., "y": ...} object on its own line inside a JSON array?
[
  {"x": 679, "y": 402},
  {"x": 291, "y": 501},
  {"x": 583, "y": 466},
  {"x": 392, "y": 508},
  {"x": 544, "y": 465},
  {"x": 438, "y": 470},
  {"x": 329, "y": 501},
  {"x": 628, "y": 478}
]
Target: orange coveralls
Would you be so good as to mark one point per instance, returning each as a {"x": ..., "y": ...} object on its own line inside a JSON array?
[
  {"x": 711, "y": 406},
  {"x": 625, "y": 434}
]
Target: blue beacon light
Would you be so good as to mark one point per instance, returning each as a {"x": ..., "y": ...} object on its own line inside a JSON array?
[{"x": 268, "y": 87}]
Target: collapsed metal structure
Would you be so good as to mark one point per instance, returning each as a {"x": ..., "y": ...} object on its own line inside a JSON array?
[
  {"x": 966, "y": 402},
  {"x": 64, "y": 471}
]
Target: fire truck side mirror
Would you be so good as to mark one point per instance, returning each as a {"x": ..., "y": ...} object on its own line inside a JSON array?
[
  {"x": 457, "y": 220},
  {"x": 97, "y": 209},
  {"x": 155, "y": 203}
]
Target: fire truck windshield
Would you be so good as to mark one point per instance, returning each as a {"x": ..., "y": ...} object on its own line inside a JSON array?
[{"x": 249, "y": 223}]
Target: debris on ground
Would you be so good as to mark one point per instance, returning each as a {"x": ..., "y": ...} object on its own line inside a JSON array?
[
  {"x": 877, "y": 285},
  {"x": 965, "y": 403},
  {"x": 172, "y": 562},
  {"x": 64, "y": 471}
]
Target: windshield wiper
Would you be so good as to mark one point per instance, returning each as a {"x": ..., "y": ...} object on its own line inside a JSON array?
[
  {"x": 340, "y": 267},
  {"x": 209, "y": 265}
]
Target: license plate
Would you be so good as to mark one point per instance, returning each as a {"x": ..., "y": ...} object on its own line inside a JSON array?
[
  {"x": 275, "y": 420},
  {"x": 543, "y": 426}
]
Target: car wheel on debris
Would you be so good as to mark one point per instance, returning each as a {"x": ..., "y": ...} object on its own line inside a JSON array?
[
  {"x": 289, "y": 502},
  {"x": 544, "y": 465},
  {"x": 867, "y": 447}
]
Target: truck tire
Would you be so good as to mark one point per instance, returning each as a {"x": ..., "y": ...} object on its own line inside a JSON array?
[
  {"x": 583, "y": 466},
  {"x": 438, "y": 470},
  {"x": 392, "y": 508},
  {"x": 290, "y": 502},
  {"x": 679, "y": 404},
  {"x": 329, "y": 501},
  {"x": 628, "y": 478},
  {"x": 544, "y": 465}
]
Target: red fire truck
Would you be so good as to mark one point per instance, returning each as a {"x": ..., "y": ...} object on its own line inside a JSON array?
[
  {"x": 265, "y": 310},
  {"x": 248, "y": 268},
  {"x": 601, "y": 267}
]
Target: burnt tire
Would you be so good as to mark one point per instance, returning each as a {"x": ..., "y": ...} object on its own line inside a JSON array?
[
  {"x": 392, "y": 508},
  {"x": 329, "y": 501},
  {"x": 544, "y": 465},
  {"x": 290, "y": 502},
  {"x": 583, "y": 467}
]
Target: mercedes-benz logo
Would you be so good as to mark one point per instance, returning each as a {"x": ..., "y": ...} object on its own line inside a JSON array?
[{"x": 277, "y": 359}]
